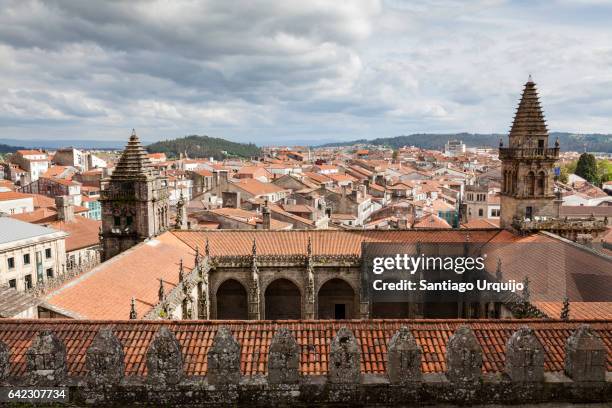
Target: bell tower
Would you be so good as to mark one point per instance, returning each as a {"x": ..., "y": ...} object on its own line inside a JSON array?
[
  {"x": 134, "y": 201},
  {"x": 527, "y": 164}
]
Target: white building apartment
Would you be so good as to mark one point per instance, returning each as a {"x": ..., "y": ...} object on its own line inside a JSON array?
[
  {"x": 35, "y": 162},
  {"x": 12, "y": 202},
  {"x": 29, "y": 254}
]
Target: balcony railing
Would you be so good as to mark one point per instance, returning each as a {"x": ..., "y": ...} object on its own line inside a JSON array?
[{"x": 528, "y": 153}]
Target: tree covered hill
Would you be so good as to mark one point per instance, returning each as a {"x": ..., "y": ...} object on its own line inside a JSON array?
[
  {"x": 568, "y": 141},
  {"x": 9, "y": 149},
  {"x": 204, "y": 146}
]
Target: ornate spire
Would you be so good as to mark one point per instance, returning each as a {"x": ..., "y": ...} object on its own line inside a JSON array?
[
  {"x": 161, "y": 295},
  {"x": 207, "y": 248},
  {"x": 197, "y": 256},
  {"x": 309, "y": 248},
  {"x": 498, "y": 271},
  {"x": 179, "y": 211},
  {"x": 134, "y": 162},
  {"x": 133, "y": 315},
  {"x": 254, "y": 249},
  {"x": 181, "y": 270},
  {"x": 526, "y": 293},
  {"x": 529, "y": 120},
  {"x": 565, "y": 311}
]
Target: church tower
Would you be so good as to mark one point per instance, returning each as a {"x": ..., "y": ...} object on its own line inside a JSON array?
[
  {"x": 134, "y": 201},
  {"x": 527, "y": 164}
]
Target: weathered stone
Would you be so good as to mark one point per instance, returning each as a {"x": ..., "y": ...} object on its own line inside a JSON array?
[
  {"x": 284, "y": 358},
  {"x": 224, "y": 359},
  {"x": 463, "y": 357},
  {"x": 344, "y": 359},
  {"x": 524, "y": 356},
  {"x": 5, "y": 355},
  {"x": 164, "y": 358},
  {"x": 403, "y": 358},
  {"x": 105, "y": 358},
  {"x": 46, "y": 360},
  {"x": 585, "y": 356}
]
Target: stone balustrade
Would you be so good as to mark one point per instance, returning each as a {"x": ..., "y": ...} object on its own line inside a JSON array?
[{"x": 524, "y": 380}]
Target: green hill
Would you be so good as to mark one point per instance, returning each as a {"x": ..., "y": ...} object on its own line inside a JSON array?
[
  {"x": 568, "y": 141},
  {"x": 9, "y": 149},
  {"x": 204, "y": 147}
]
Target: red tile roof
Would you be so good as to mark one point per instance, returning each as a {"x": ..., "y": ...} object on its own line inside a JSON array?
[
  {"x": 324, "y": 242},
  {"x": 578, "y": 310},
  {"x": 313, "y": 337},
  {"x": 134, "y": 272},
  {"x": 13, "y": 195},
  {"x": 83, "y": 232}
]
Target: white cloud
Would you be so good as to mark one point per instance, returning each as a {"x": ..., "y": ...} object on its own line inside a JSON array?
[{"x": 270, "y": 70}]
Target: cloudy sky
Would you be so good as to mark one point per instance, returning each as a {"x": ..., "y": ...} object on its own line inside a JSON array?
[{"x": 274, "y": 71}]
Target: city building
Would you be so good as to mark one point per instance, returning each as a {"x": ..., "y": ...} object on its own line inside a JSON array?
[{"x": 29, "y": 254}]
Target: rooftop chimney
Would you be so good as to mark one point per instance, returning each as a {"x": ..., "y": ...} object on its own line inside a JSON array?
[{"x": 65, "y": 210}]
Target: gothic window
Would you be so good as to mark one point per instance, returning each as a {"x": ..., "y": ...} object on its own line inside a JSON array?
[
  {"x": 480, "y": 212},
  {"x": 283, "y": 300},
  {"x": 336, "y": 300},
  {"x": 541, "y": 183},
  {"x": 129, "y": 220},
  {"x": 117, "y": 221},
  {"x": 232, "y": 301},
  {"x": 530, "y": 183}
]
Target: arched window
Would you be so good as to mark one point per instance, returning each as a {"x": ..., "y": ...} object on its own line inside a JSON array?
[
  {"x": 283, "y": 301},
  {"x": 541, "y": 184},
  {"x": 232, "y": 302},
  {"x": 530, "y": 183},
  {"x": 336, "y": 300}
]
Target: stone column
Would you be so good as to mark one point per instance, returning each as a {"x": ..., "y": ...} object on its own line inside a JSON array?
[
  {"x": 344, "y": 359},
  {"x": 164, "y": 358},
  {"x": 46, "y": 360},
  {"x": 585, "y": 356},
  {"x": 224, "y": 359},
  {"x": 463, "y": 357},
  {"x": 524, "y": 357},
  {"x": 283, "y": 359},
  {"x": 105, "y": 359},
  {"x": 403, "y": 358}
]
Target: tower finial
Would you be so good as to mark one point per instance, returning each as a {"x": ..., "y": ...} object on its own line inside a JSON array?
[
  {"x": 181, "y": 270},
  {"x": 207, "y": 248},
  {"x": 309, "y": 247},
  {"x": 530, "y": 79},
  {"x": 133, "y": 132},
  {"x": 133, "y": 315},
  {"x": 254, "y": 250},
  {"x": 160, "y": 293}
]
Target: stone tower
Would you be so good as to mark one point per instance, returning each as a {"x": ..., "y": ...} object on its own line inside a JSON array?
[
  {"x": 134, "y": 201},
  {"x": 527, "y": 164}
]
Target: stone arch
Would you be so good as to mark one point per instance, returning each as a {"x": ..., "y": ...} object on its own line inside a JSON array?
[
  {"x": 231, "y": 301},
  {"x": 282, "y": 300},
  {"x": 336, "y": 300}
]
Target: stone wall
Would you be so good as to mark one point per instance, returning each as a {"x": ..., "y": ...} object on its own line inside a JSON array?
[{"x": 524, "y": 381}]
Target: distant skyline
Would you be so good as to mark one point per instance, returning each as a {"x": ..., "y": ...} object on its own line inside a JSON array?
[{"x": 274, "y": 72}]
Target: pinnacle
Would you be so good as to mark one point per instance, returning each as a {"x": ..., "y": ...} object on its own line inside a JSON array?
[{"x": 133, "y": 162}]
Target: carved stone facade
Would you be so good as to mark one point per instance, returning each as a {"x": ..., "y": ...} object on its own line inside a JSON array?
[
  {"x": 134, "y": 201},
  {"x": 527, "y": 164},
  {"x": 529, "y": 202},
  {"x": 166, "y": 381}
]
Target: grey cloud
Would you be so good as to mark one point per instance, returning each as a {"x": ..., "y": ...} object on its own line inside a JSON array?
[{"x": 303, "y": 68}]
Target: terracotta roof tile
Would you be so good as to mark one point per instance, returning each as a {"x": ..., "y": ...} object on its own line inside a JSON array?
[{"x": 313, "y": 337}]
